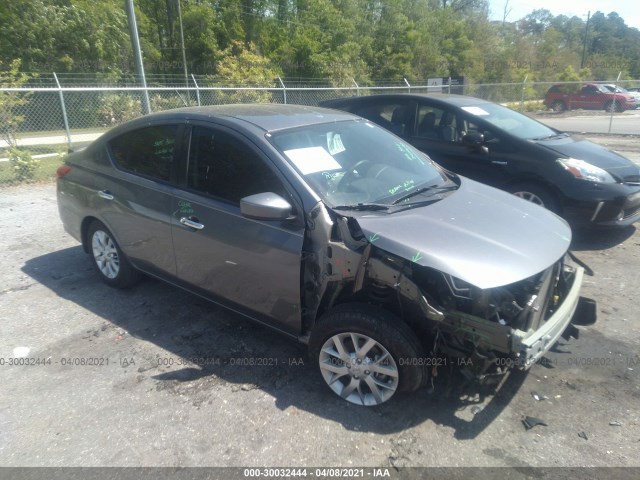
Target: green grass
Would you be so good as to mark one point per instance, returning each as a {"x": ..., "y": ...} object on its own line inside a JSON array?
[
  {"x": 46, "y": 171},
  {"x": 37, "y": 149},
  {"x": 526, "y": 106}
]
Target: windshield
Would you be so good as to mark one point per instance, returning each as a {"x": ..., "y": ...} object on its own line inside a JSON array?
[
  {"x": 510, "y": 121},
  {"x": 615, "y": 89},
  {"x": 357, "y": 163}
]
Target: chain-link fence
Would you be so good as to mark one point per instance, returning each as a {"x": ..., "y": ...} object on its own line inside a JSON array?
[{"x": 41, "y": 120}]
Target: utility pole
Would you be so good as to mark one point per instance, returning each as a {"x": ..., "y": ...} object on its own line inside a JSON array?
[
  {"x": 584, "y": 45},
  {"x": 137, "y": 53},
  {"x": 184, "y": 55}
]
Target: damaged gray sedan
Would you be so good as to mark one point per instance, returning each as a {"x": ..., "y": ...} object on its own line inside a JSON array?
[{"x": 333, "y": 231}]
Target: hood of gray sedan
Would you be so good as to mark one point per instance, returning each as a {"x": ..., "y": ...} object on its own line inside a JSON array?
[{"x": 481, "y": 235}]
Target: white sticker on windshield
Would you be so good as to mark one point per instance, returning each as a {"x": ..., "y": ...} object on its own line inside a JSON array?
[
  {"x": 312, "y": 160},
  {"x": 335, "y": 143},
  {"x": 475, "y": 111}
]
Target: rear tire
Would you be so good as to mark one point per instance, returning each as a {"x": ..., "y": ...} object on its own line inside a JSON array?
[
  {"x": 366, "y": 355},
  {"x": 558, "y": 106},
  {"x": 109, "y": 261}
]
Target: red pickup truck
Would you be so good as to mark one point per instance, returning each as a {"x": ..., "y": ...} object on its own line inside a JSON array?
[{"x": 591, "y": 96}]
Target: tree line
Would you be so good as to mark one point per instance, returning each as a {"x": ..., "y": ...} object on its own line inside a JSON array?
[{"x": 255, "y": 41}]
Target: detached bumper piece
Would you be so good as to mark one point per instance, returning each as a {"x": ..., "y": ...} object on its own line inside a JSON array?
[{"x": 574, "y": 310}]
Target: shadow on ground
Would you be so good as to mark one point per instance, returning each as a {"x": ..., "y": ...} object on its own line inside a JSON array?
[
  {"x": 600, "y": 239},
  {"x": 224, "y": 344}
]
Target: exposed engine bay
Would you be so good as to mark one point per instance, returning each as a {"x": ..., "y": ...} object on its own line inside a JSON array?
[{"x": 520, "y": 305}]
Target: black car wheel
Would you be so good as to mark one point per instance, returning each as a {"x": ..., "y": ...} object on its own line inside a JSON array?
[
  {"x": 613, "y": 106},
  {"x": 113, "y": 267},
  {"x": 558, "y": 106},
  {"x": 537, "y": 194},
  {"x": 366, "y": 355}
]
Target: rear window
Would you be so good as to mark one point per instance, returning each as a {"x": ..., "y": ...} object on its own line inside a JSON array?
[{"x": 147, "y": 151}]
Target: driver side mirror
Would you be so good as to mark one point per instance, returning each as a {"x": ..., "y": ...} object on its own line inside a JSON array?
[
  {"x": 265, "y": 206},
  {"x": 475, "y": 141}
]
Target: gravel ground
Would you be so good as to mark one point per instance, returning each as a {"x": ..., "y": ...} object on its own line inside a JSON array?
[{"x": 168, "y": 385}]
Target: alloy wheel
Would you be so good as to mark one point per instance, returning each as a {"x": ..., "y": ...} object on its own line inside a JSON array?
[
  {"x": 105, "y": 254},
  {"x": 530, "y": 197},
  {"x": 358, "y": 368}
]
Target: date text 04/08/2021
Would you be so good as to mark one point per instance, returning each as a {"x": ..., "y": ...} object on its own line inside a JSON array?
[{"x": 316, "y": 472}]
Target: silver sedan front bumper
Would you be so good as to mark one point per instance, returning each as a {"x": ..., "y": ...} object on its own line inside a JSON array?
[{"x": 531, "y": 346}]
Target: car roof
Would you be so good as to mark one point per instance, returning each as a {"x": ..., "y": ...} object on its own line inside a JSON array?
[
  {"x": 268, "y": 117},
  {"x": 442, "y": 98}
]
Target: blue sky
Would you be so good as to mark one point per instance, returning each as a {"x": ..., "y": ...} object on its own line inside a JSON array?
[{"x": 627, "y": 9}]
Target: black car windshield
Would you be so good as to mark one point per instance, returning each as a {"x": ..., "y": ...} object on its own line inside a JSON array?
[
  {"x": 510, "y": 121},
  {"x": 357, "y": 163}
]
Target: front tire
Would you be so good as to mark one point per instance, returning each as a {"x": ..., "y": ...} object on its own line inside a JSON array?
[
  {"x": 537, "y": 194},
  {"x": 109, "y": 261},
  {"x": 366, "y": 355},
  {"x": 613, "y": 106}
]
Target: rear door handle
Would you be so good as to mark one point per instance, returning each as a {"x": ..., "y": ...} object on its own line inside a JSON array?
[
  {"x": 499, "y": 162},
  {"x": 192, "y": 222},
  {"x": 106, "y": 194}
]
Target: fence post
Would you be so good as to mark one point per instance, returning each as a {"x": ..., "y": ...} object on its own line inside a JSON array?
[
  {"x": 524, "y": 85},
  {"x": 449, "y": 89},
  {"x": 613, "y": 105},
  {"x": 64, "y": 111},
  {"x": 357, "y": 87},
  {"x": 409, "y": 86},
  {"x": 197, "y": 89},
  {"x": 284, "y": 90}
]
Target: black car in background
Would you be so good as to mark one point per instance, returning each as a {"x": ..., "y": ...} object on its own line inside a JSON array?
[{"x": 583, "y": 182}]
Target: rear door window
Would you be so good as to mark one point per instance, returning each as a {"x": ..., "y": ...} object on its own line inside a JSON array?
[
  {"x": 148, "y": 151},
  {"x": 396, "y": 116}
]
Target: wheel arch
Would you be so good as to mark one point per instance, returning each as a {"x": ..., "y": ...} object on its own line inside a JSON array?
[
  {"x": 84, "y": 232},
  {"x": 383, "y": 285}
]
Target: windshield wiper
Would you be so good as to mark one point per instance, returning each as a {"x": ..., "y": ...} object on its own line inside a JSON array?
[
  {"x": 434, "y": 189},
  {"x": 549, "y": 137},
  {"x": 363, "y": 206}
]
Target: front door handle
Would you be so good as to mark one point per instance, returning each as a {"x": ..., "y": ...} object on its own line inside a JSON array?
[
  {"x": 499, "y": 162},
  {"x": 192, "y": 222},
  {"x": 106, "y": 194}
]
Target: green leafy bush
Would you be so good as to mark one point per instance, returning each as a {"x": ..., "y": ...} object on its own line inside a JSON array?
[
  {"x": 117, "y": 108},
  {"x": 23, "y": 164}
]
